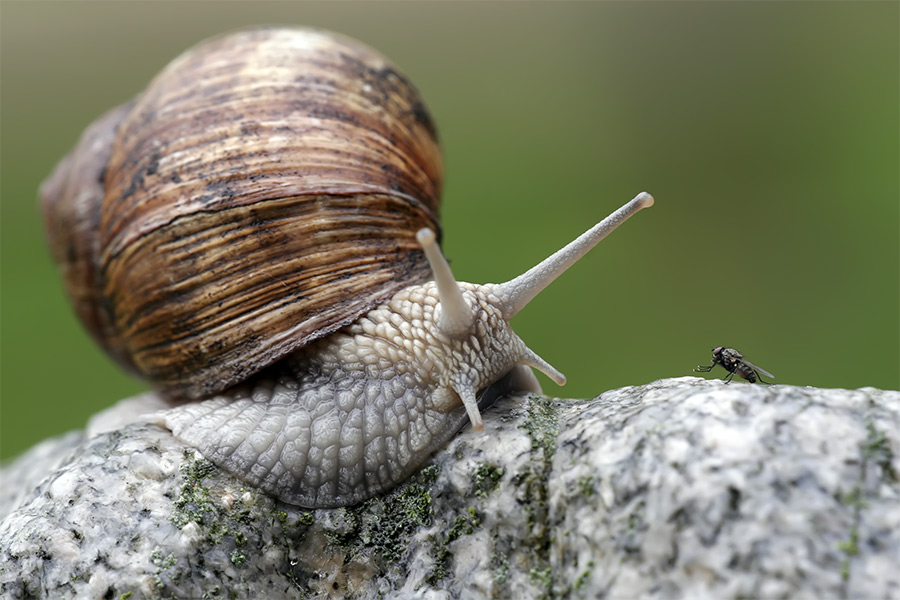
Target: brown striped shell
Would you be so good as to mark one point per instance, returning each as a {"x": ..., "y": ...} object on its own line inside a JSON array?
[{"x": 262, "y": 192}]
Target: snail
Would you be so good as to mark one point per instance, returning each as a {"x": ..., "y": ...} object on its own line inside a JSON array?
[{"x": 256, "y": 234}]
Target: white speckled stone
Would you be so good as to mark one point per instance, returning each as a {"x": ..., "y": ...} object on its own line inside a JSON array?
[
  {"x": 20, "y": 476},
  {"x": 717, "y": 491},
  {"x": 679, "y": 488}
]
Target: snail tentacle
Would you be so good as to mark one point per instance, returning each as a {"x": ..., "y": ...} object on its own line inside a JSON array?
[
  {"x": 531, "y": 359},
  {"x": 466, "y": 392},
  {"x": 456, "y": 316},
  {"x": 519, "y": 291}
]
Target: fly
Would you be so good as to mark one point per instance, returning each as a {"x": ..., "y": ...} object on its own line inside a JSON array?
[{"x": 735, "y": 363}]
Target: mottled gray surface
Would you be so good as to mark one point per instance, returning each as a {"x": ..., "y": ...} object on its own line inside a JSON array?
[
  {"x": 682, "y": 487},
  {"x": 21, "y": 476},
  {"x": 711, "y": 490}
]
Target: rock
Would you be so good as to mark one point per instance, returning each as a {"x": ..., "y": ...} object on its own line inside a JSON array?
[
  {"x": 679, "y": 488},
  {"x": 23, "y": 475}
]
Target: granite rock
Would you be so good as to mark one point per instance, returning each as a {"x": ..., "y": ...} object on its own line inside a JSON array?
[{"x": 681, "y": 487}]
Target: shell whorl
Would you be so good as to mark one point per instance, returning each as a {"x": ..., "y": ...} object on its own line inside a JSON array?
[{"x": 262, "y": 192}]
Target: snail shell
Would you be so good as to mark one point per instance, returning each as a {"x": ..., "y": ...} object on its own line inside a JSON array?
[
  {"x": 262, "y": 192},
  {"x": 256, "y": 231}
]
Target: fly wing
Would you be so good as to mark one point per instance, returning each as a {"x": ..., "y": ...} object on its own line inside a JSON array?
[{"x": 758, "y": 368}]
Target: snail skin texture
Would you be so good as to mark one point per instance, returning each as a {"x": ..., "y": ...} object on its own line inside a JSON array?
[{"x": 256, "y": 234}]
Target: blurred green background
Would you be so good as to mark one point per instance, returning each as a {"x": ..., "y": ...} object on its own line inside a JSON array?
[{"x": 768, "y": 133}]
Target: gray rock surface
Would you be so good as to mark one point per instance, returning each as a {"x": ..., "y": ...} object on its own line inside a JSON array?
[{"x": 679, "y": 488}]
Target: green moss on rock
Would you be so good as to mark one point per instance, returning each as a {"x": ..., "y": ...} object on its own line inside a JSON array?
[
  {"x": 542, "y": 426},
  {"x": 383, "y": 525},
  {"x": 194, "y": 504},
  {"x": 876, "y": 454},
  {"x": 486, "y": 478},
  {"x": 586, "y": 485},
  {"x": 238, "y": 558},
  {"x": 464, "y": 524}
]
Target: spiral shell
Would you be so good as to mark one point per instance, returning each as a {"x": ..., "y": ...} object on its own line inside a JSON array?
[{"x": 262, "y": 192}]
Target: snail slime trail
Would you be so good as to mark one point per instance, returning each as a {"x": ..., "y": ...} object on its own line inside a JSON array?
[{"x": 260, "y": 243}]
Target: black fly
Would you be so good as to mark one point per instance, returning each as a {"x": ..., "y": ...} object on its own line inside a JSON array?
[{"x": 734, "y": 362}]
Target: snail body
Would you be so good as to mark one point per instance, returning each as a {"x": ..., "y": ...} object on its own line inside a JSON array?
[{"x": 257, "y": 233}]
